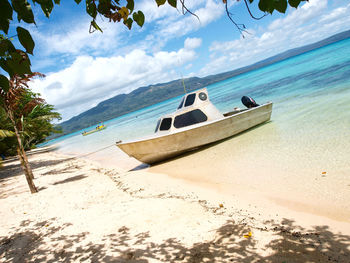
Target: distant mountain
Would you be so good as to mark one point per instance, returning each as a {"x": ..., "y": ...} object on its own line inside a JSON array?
[{"x": 152, "y": 94}]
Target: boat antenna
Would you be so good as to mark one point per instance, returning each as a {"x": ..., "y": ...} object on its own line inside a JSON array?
[
  {"x": 183, "y": 83},
  {"x": 182, "y": 78}
]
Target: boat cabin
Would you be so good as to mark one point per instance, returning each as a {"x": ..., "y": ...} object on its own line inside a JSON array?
[{"x": 194, "y": 108}]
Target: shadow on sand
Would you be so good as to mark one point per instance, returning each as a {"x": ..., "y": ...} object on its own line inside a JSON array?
[
  {"x": 43, "y": 242},
  {"x": 13, "y": 169}
]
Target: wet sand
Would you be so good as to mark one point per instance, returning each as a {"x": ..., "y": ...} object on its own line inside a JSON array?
[{"x": 286, "y": 172}]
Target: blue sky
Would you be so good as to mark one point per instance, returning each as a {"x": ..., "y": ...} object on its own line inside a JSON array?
[{"x": 83, "y": 69}]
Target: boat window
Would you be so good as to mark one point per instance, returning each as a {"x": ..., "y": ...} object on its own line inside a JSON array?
[
  {"x": 158, "y": 123},
  {"x": 165, "y": 125},
  {"x": 190, "y": 99},
  {"x": 189, "y": 118},
  {"x": 182, "y": 103}
]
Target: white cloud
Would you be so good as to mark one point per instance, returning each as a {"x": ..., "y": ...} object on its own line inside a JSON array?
[
  {"x": 69, "y": 39},
  {"x": 77, "y": 39},
  {"x": 208, "y": 13},
  {"x": 191, "y": 43},
  {"x": 172, "y": 24},
  {"x": 335, "y": 14},
  {"x": 153, "y": 12},
  {"x": 308, "y": 24},
  {"x": 90, "y": 80},
  {"x": 73, "y": 37}
]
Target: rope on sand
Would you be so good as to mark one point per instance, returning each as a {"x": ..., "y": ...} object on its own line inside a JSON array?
[{"x": 95, "y": 151}]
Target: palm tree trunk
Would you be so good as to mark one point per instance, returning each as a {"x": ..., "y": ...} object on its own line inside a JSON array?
[
  {"x": 27, "y": 172},
  {"x": 29, "y": 168},
  {"x": 23, "y": 158}
]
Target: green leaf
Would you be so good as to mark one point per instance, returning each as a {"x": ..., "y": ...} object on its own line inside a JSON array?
[
  {"x": 4, "y": 25},
  {"x": 139, "y": 18},
  {"x": 91, "y": 8},
  {"x": 4, "y": 83},
  {"x": 57, "y": 2},
  {"x": 46, "y": 6},
  {"x": 77, "y": 1},
  {"x": 5, "y": 15},
  {"x": 95, "y": 25},
  {"x": 19, "y": 63},
  {"x": 294, "y": 3},
  {"x": 172, "y": 3},
  {"x": 6, "y": 133},
  {"x": 103, "y": 7},
  {"x": 23, "y": 10},
  {"x": 6, "y": 47},
  {"x": 4, "y": 65},
  {"x": 130, "y": 5},
  {"x": 251, "y": 1},
  {"x": 160, "y": 2},
  {"x": 128, "y": 22},
  {"x": 25, "y": 39},
  {"x": 281, "y": 6},
  {"x": 266, "y": 6}
]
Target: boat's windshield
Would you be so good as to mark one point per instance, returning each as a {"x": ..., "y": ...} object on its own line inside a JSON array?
[
  {"x": 165, "y": 124},
  {"x": 190, "y": 99},
  {"x": 181, "y": 103},
  {"x": 158, "y": 123}
]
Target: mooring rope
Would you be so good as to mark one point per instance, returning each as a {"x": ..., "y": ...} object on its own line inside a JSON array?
[{"x": 86, "y": 154}]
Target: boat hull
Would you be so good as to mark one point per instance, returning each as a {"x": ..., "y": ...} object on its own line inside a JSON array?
[{"x": 160, "y": 148}]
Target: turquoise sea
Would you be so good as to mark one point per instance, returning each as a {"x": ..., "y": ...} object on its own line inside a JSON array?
[
  {"x": 310, "y": 92},
  {"x": 304, "y": 149}
]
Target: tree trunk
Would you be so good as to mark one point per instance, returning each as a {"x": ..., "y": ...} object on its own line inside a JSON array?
[
  {"x": 27, "y": 164},
  {"x": 23, "y": 158},
  {"x": 29, "y": 178}
]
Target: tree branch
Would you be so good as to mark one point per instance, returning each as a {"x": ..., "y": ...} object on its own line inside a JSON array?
[
  {"x": 241, "y": 27},
  {"x": 186, "y": 10},
  {"x": 250, "y": 13}
]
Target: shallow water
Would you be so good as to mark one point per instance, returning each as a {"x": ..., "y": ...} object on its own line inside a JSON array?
[{"x": 309, "y": 133}]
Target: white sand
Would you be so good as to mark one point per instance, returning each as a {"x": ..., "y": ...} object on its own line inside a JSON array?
[{"x": 85, "y": 213}]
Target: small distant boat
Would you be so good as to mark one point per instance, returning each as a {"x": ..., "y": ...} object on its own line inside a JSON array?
[
  {"x": 98, "y": 128},
  {"x": 195, "y": 123}
]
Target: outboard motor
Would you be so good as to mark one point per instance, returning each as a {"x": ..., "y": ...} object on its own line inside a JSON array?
[{"x": 249, "y": 102}]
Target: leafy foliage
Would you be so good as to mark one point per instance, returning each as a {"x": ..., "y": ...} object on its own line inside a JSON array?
[
  {"x": 7, "y": 139},
  {"x": 31, "y": 114}
]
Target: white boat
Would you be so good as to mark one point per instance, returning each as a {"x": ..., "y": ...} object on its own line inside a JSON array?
[{"x": 195, "y": 123}]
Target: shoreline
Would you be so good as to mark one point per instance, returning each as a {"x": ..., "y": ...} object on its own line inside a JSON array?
[{"x": 85, "y": 212}]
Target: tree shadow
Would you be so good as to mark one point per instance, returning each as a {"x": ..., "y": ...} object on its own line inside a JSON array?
[
  {"x": 31, "y": 152},
  {"x": 13, "y": 168},
  {"x": 68, "y": 169},
  {"x": 10, "y": 170},
  {"x": 44, "y": 242},
  {"x": 70, "y": 179},
  {"x": 44, "y": 149},
  {"x": 42, "y": 163}
]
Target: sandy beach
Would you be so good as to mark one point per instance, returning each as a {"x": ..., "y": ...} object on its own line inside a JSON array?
[{"x": 88, "y": 213}]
